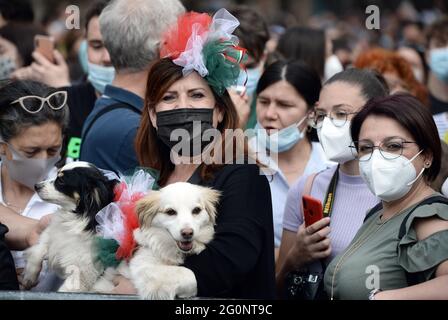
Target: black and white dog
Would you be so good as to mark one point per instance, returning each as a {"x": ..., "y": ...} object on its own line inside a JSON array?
[{"x": 81, "y": 190}]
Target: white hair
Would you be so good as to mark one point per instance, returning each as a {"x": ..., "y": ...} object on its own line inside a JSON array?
[{"x": 131, "y": 30}]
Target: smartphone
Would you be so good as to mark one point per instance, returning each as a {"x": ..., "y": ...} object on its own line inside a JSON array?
[
  {"x": 45, "y": 46},
  {"x": 312, "y": 210}
]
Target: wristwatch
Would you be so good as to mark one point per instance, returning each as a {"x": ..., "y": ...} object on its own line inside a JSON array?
[{"x": 373, "y": 293}]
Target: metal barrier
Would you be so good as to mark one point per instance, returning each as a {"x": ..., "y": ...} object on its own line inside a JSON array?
[{"x": 29, "y": 295}]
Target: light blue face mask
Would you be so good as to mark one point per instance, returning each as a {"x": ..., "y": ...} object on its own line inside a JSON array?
[
  {"x": 100, "y": 76},
  {"x": 252, "y": 75},
  {"x": 7, "y": 66},
  {"x": 281, "y": 140},
  {"x": 438, "y": 62},
  {"x": 82, "y": 57}
]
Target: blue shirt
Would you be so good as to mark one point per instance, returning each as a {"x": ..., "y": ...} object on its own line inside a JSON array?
[{"x": 110, "y": 141}]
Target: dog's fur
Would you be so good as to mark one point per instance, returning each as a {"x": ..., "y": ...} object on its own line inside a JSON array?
[
  {"x": 175, "y": 222},
  {"x": 81, "y": 190}
]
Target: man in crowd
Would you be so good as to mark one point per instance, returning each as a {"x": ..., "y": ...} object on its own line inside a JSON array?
[{"x": 131, "y": 32}]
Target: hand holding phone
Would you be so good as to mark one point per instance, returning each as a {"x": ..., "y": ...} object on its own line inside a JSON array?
[
  {"x": 312, "y": 210},
  {"x": 45, "y": 46}
]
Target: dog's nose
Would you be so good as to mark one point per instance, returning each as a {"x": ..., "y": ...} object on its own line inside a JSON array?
[
  {"x": 187, "y": 233},
  {"x": 38, "y": 186}
]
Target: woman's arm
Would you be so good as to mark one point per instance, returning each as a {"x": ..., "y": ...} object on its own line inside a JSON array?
[
  {"x": 23, "y": 231},
  {"x": 434, "y": 289}
]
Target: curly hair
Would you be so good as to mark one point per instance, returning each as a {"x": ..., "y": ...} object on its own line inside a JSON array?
[{"x": 386, "y": 61}]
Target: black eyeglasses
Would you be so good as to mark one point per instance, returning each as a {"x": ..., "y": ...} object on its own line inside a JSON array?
[
  {"x": 389, "y": 149},
  {"x": 338, "y": 117},
  {"x": 33, "y": 104}
]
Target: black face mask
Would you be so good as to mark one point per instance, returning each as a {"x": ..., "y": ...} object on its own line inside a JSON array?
[{"x": 193, "y": 122}]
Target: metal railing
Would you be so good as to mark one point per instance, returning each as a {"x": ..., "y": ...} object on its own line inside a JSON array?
[{"x": 29, "y": 295}]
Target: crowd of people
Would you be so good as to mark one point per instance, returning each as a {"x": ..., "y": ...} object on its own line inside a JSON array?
[{"x": 362, "y": 131}]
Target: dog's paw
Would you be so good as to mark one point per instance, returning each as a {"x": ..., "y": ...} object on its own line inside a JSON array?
[
  {"x": 29, "y": 278},
  {"x": 184, "y": 293},
  {"x": 72, "y": 284},
  {"x": 68, "y": 286},
  {"x": 103, "y": 285},
  {"x": 157, "y": 291}
]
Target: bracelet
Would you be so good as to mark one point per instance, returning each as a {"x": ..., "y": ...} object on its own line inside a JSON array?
[{"x": 373, "y": 293}]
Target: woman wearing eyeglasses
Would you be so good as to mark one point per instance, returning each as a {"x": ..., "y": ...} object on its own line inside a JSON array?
[
  {"x": 401, "y": 251},
  {"x": 340, "y": 188},
  {"x": 33, "y": 118}
]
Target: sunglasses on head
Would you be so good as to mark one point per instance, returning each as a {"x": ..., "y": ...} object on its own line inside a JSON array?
[{"x": 33, "y": 104}]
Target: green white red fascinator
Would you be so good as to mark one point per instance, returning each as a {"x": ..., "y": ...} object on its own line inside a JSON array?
[{"x": 198, "y": 42}]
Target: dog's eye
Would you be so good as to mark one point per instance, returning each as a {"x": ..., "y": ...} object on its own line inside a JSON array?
[
  {"x": 196, "y": 210},
  {"x": 171, "y": 212}
]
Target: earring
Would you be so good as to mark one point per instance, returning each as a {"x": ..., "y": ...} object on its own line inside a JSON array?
[{"x": 427, "y": 164}]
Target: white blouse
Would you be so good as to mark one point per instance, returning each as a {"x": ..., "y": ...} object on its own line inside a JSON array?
[{"x": 36, "y": 209}]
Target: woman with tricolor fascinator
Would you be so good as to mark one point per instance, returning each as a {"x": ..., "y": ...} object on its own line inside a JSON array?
[{"x": 184, "y": 135}]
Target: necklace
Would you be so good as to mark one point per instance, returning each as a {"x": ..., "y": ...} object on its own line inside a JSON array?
[
  {"x": 9, "y": 205},
  {"x": 353, "y": 248},
  {"x": 16, "y": 209}
]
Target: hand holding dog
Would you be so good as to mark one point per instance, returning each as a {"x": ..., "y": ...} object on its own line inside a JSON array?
[{"x": 32, "y": 237}]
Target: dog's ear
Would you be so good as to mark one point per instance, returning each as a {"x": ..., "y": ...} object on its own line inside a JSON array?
[
  {"x": 210, "y": 200},
  {"x": 147, "y": 207},
  {"x": 95, "y": 195},
  {"x": 102, "y": 193}
]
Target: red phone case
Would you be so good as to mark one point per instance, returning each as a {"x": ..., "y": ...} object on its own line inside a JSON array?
[
  {"x": 312, "y": 210},
  {"x": 45, "y": 46}
]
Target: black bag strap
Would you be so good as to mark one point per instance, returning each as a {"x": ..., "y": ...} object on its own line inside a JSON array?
[
  {"x": 402, "y": 231},
  {"x": 329, "y": 198},
  {"x": 372, "y": 211},
  {"x": 109, "y": 108},
  {"x": 431, "y": 200},
  {"x": 331, "y": 192}
]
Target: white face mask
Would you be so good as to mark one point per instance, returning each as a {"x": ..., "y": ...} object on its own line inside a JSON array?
[
  {"x": 444, "y": 189},
  {"x": 332, "y": 66},
  {"x": 336, "y": 141},
  {"x": 389, "y": 179},
  {"x": 28, "y": 171}
]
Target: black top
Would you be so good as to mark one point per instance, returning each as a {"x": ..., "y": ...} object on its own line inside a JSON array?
[
  {"x": 239, "y": 261},
  {"x": 437, "y": 106},
  {"x": 80, "y": 99},
  {"x": 8, "y": 277}
]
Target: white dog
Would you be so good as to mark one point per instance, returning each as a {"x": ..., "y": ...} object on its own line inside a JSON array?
[
  {"x": 81, "y": 190},
  {"x": 175, "y": 222}
]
